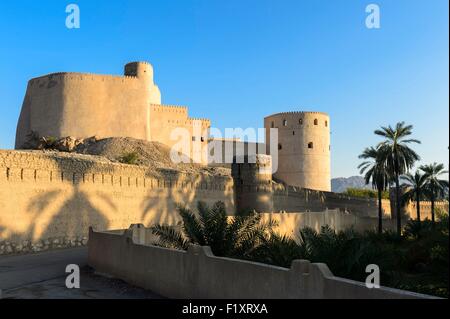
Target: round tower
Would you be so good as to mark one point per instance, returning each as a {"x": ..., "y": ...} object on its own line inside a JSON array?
[
  {"x": 142, "y": 70},
  {"x": 252, "y": 177},
  {"x": 303, "y": 148}
]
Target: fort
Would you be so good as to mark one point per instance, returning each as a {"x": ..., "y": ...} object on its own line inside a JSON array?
[
  {"x": 84, "y": 105},
  {"x": 50, "y": 199}
]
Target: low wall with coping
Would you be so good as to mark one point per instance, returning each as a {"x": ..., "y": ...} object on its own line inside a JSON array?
[{"x": 197, "y": 273}]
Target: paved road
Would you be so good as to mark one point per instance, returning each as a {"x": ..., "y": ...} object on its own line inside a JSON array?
[
  {"x": 42, "y": 276},
  {"x": 21, "y": 270}
]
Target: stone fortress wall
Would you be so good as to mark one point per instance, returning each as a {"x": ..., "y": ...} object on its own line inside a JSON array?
[
  {"x": 172, "y": 126},
  {"x": 84, "y": 105},
  {"x": 303, "y": 148},
  {"x": 49, "y": 200}
]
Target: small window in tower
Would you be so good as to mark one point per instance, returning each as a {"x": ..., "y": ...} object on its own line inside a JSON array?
[
  {"x": 202, "y": 139},
  {"x": 316, "y": 122},
  {"x": 310, "y": 145},
  {"x": 326, "y": 123},
  {"x": 293, "y": 132},
  {"x": 272, "y": 125},
  {"x": 284, "y": 122},
  {"x": 300, "y": 121},
  {"x": 193, "y": 138},
  {"x": 280, "y": 147}
]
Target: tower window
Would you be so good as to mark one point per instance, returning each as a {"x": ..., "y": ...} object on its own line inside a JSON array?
[
  {"x": 310, "y": 145},
  {"x": 193, "y": 138},
  {"x": 293, "y": 132},
  {"x": 316, "y": 122},
  {"x": 272, "y": 125},
  {"x": 326, "y": 123},
  {"x": 284, "y": 122},
  {"x": 300, "y": 121},
  {"x": 202, "y": 139},
  {"x": 280, "y": 147}
]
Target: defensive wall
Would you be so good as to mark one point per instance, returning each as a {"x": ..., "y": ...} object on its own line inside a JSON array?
[
  {"x": 197, "y": 273},
  {"x": 222, "y": 150},
  {"x": 291, "y": 223},
  {"x": 172, "y": 126},
  {"x": 48, "y": 200},
  {"x": 83, "y": 105}
]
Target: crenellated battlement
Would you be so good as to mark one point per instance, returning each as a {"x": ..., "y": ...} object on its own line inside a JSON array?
[
  {"x": 80, "y": 77},
  {"x": 304, "y": 148},
  {"x": 37, "y": 167},
  {"x": 203, "y": 120},
  {"x": 296, "y": 113},
  {"x": 169, "y": 108}
]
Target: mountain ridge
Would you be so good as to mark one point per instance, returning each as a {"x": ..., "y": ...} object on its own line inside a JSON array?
[{"x": 340, "y": 184}]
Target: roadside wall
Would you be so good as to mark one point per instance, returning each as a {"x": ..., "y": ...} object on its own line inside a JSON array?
[{"x": 197, "y": 273}]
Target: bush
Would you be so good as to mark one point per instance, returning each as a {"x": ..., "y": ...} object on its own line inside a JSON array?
[
  {"x": 366, "y": 193},
  {"x": 417, "y": 261},
  {"x": 129, "y": 158},
  {"x": 46, "y": 143}
]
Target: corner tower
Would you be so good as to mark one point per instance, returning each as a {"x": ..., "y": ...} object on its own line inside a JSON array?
[
  {"x": 303, "y": 148},
  {"x": 143, "y": 71},
  {"x": 252, "y": 176}
]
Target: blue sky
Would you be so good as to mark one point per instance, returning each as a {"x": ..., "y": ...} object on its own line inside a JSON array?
[{"x": 238, "y": 61}]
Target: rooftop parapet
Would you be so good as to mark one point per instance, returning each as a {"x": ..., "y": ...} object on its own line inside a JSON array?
[{"x": 296, "y": 113}]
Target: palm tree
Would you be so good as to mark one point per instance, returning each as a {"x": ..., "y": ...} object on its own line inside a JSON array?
[
  {"x": 434, "y": 186},
  {"x": 376, "y": 173},
  {"x": 416, "y": 185},
  {"x": 238, "y": 236},
  {"x": 399, "y": 157}
]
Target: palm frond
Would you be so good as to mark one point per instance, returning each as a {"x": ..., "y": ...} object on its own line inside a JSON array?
[
  {"x": 169, "y": 237},
  {"x": 192, "y": 227}
]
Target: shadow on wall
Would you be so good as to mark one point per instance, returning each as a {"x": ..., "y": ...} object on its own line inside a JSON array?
[
  {"x": 54, "y": 218},
  {"x": 157, "y": 211},
  {"x": 50, "y": 201}
]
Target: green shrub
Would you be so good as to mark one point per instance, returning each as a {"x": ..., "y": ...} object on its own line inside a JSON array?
[
  {"x": 48, "y": 142},
  {"x": 129, "y": 158},
  {"x": 366, "y": 193},
  {"x": 441, "y": 214}
]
